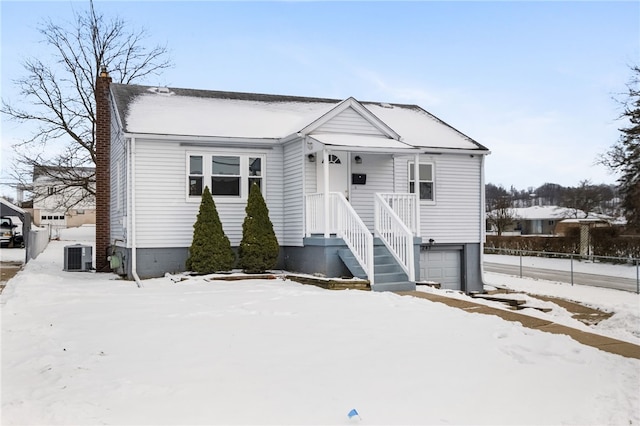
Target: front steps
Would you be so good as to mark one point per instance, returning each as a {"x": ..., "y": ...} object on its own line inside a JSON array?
[{"x": 388, "y": 274}]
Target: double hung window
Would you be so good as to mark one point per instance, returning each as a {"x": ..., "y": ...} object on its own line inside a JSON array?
[
  {"x": 225, "y": 175},
  {"x": 425, "y": 181},
  {"x": 196, "y": 175}
]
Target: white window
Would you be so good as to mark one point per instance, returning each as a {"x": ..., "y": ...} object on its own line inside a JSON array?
[
  {"x": 196, "y": 174},
  {"x": 228, "y": 176},
  {"x": 225, "y": 175},
  {"x": 425, "y": 181},
  {"x": 255, "y": 172}
]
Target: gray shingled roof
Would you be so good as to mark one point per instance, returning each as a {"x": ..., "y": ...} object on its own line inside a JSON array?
[{"x": 293, "y": 110}]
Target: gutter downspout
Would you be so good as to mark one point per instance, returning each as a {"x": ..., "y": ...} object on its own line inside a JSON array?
[
  {"x": 483, "y": 232},
  {"x": 416, "y": 190},
  {"x": 134, "y": 258}
]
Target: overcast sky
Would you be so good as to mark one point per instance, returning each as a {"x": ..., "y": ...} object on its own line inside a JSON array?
[{"x": 535, "y": 82}]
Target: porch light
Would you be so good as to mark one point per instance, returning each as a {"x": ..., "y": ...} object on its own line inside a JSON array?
[
  {"x": 312, "y": 158},
  {"x": 357, "y": 159}
]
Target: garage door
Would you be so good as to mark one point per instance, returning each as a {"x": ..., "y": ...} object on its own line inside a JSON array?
[{"x": 442, "y": 267}]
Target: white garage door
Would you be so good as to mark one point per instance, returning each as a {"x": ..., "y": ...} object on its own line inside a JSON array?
[{"x": 442, "y": 267}]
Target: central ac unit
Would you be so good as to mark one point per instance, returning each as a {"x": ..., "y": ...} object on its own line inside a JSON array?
[{"x": 78, "y": 257}]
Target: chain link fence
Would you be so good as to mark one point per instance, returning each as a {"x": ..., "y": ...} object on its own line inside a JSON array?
[{"x": 572, "y": 260}]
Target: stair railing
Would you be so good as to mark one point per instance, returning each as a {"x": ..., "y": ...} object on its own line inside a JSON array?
[
  {"x": 345, "y": 223},
  {"x": 354, "y": 232},
  {"x": 395, "y": 235},
  {"x": 404, "y": 205}
]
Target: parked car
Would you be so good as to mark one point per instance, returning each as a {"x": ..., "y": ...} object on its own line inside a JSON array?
[{"x": 10, "y": 235}]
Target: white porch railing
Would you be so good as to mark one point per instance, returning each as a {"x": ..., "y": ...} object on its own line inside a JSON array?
[
  {"x": 391, "y": 229},
  {"x": 345, "y": 223},
  {"x": 314, "y": 212},
  {"x": 404, "y": 205}
]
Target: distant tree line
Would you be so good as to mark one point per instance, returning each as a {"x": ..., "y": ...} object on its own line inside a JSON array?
[{"x": 584, "y": 198}]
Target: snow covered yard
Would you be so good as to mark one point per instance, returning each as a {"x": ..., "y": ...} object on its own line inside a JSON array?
[{"x": 85, "y": 348}]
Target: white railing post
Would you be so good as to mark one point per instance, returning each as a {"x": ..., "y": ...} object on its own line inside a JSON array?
[
  {"x": 395, "y": 235},
  {"x": 325, "y": 166},
  {"x": 403, "y": 205}
]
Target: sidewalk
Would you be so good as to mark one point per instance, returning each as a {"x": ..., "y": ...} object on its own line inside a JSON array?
[{"x": 603, "y": 343}]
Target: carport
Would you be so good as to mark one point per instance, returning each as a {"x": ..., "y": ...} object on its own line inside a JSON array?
[{"x": 9, "y": 209}]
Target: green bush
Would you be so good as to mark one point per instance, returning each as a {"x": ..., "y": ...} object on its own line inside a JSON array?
[
  {"x": 259, "y": 247},
  {"x": 210, "y": 249}
]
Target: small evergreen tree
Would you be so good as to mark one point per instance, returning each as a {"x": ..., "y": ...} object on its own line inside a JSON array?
[
  {"x": 210, "y": 249},
  {"x": 259, "y": 247}
]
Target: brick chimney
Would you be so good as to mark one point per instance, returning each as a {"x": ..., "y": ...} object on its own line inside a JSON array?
[{"x": 103, "y": 171}]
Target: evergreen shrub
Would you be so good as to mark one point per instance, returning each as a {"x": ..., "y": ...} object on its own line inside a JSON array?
[
  {"x": 210, "y": 249},
  {"x": 259, "y": 247}
]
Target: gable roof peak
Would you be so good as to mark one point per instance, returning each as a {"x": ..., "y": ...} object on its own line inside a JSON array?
[{"x": 360, "y": 109}]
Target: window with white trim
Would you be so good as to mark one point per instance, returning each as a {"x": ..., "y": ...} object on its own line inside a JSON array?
[
  {"x": 255, "y": 172},
  {"x": 425, "y": 181},
  {"x": 196, "y": 175},
  {"x": 227, "y": 176}
]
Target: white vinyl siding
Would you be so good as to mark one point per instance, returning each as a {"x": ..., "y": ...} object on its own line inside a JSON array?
[
  {"x": 348, "y": 121},
  {"x": 310, "y": 174},
  {"x": 379, "y": 171},
  {"x": 294, "y": 164},
  {"x": 118, "y": 187},
  {"x": 164, "y": 218},
  {"x": 455, "y": 216}
]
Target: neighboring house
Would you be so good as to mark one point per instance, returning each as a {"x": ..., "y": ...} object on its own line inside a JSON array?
[
  {"x": 339, "y": 178},
  {"x": 544, "y": 220},
  {"x": 564, "y": 226},
  {"x": 57, "y": 205}
]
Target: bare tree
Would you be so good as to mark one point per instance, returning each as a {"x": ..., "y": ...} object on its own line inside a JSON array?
[
  {"x": 501, "y": 214},
  {"x": 624, "y": 156},
  {"x": 60, "y": 95},
  {"x": 583, "y": 199},
  {"x": 492, "y": 194}
]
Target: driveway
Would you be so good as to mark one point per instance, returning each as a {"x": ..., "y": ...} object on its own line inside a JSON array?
[{"x": 11, "y": 261}]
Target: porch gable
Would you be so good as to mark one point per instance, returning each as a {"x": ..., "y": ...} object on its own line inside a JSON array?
[{"x": 350, "y": 116}]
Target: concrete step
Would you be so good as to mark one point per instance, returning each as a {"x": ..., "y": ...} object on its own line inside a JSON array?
[
  {"x": 395, "y": 286},
  {"x": 497, "y": 298}
]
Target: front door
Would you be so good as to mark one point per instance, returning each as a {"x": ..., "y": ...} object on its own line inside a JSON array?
[{"x": 338, "y": 173}]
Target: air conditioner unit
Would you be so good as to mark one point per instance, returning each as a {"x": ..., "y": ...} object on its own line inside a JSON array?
[{"x": 78, "y": 257}]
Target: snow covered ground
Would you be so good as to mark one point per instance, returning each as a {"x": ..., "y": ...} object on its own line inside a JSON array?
[{"x": 86, "y": 348}]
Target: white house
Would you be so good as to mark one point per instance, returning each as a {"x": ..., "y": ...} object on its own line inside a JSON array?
[
  {"x": 57, "y": 204},
  {"x": 547, "y": 220},
  {"x": 339, "y": 178}
]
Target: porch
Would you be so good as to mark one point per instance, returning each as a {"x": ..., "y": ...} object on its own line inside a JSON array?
[{"x": 340, "y": 241}]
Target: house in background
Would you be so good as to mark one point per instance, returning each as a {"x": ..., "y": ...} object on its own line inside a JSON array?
[
  {"x": 54, "y": 203},
  {"x": 548, "y": 220},
  {"x": 386, "y": 192}
]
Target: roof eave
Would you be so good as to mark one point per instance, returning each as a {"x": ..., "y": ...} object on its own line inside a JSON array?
[{"x": 231, "y": 140}]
